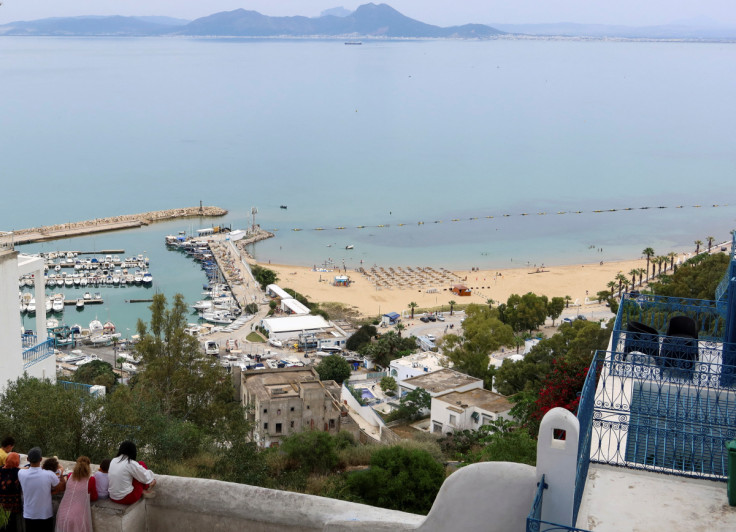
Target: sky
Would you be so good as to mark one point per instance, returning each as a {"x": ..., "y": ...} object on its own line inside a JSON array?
[{"x": 440, "y": 12}]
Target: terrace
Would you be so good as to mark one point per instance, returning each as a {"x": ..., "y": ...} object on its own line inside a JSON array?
[{"x": 655, "y": 413}]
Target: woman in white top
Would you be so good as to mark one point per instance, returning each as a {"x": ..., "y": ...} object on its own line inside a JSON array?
[{"x": 128, "y": 479}]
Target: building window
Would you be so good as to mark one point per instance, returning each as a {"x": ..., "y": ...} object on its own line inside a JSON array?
[
  {"x": 291, "y": 424},
  {"x": 332, "y": 423},
  {"x": 278, "y": 412},
  {"x": 307, "y": 407},
  {"x": 453, "y": 419},
  {"x": 292, "y": 408},
  {"x": 278, "y": 428},
  {"x": 265, "y": 410},
  {"x": 265, "y": 426},
  {"x": 437, "y": 428}
]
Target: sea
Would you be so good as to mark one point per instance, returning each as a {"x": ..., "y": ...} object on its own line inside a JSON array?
[{"x": 459, "y": 154}]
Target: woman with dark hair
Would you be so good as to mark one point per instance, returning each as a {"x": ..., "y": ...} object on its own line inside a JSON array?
[
  {"x": 10, "y": 492},
  {"x": 128, "y": 479},
  {"x": 74, "y": 513}
]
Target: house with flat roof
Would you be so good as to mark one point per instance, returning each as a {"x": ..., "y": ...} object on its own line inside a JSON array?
[
  {"x": 289, "y": 400},
  {"x": 308, "y": 331},
  {"x": 417, "y": 364},
  {"x": 440, "y": 382},
  {"x": 469, "y": 410}
]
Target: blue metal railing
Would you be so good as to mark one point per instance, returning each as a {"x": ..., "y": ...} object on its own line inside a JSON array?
[
  {"x": 37, "y": 353},
  {"x": 534, "y": 522},
  {"x": 661, "y": 415},
  {"x": 586, "y": 408}
]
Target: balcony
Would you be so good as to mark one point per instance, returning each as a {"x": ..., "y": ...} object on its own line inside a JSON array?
[{"x": 34, "y": 352}]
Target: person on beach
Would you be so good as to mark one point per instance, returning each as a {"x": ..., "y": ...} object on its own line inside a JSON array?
[
  {"x": 37, "y": 483},
  {"x": 128, "y": 479},
  {"x": 10, "y": 493},
  {"x": 74, "y": 513},
  {"x": 102, "y": 480}
]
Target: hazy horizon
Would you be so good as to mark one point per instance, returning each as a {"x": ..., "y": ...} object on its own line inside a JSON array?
[{"x": 624, "y": 12}]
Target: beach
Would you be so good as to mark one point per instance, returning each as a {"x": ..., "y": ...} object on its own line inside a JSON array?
[{"x": 577, "y": 281}]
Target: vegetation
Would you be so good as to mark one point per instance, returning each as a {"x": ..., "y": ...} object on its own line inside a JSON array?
[
  {"x": 527, "y": 312},
  {"x": 389, "y": 386},
  {"x": 697, "y": 278},
  {"x": 335, "y": 368},
  {"x": 254, "y": 337},
  {"x": 251, "y": 308},
  {"x": 388, "y": 347},
  {"x": 312, "y": 450},
  {"x": 96, "y": 373},
  {"x": 400, "y": 479},
  {"x": 411, "y": 405},
  {"x": 361, "y": 337},
  {"x": 264, "y": 276},
  {"x": 500, "y": 441}
]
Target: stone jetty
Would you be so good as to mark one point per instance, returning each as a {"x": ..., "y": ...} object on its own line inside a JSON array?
[{"x": 112, "y": 223}]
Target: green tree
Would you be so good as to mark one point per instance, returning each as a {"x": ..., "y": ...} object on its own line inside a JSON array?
[
  {"x": 334, "y": 368},
  {"x": 412, "y": 405},
  {"x": 361, "y": 337},
  {"x": 412, "y": 306},
  {"x": 388, "y": 385},
  {"x": 264, "y": 276},
  {"x": 697, "y": 278},
  {"x": 710, "y": 240},
  {"x": 387, "y": 348},
  {"x": 525, "y": 312},
  {"x": 452, "y": 304},
  {"x": 400, "y": 327},
  {"x": 96, "y": 373},
  {"x": 648, "y": 253},
  {"x": 568, "y": 299},
  {"x": 313, "y": 450},
  {"x": 251, "y": 308},
  {"x": 555, "y": 307},
  {"x": 177, "y": 376},
  {"x": 698, "y": 243},
  {"x": 399, "y": 479}
]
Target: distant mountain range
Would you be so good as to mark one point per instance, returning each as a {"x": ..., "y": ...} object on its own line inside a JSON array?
[{"x": 368, "y": 21}]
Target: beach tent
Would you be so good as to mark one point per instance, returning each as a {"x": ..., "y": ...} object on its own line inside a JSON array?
[
  {"x": 390, "y": 318},
  {"x": 342, "y": 280}
]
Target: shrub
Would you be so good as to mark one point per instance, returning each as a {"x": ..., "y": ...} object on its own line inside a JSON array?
[
  {"x": 399, "y": 479},
  {"x": 313, "y": 451}
]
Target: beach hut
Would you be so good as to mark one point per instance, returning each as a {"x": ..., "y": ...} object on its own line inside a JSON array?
[
  {"x": 461, "y": 290},
  {"x": 341, "y": 280},
  {"x": 391, "y": 318}
]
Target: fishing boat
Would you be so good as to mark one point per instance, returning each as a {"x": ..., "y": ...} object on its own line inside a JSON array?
[
  {"x": 138, "y": 278},
  {"x": 147, "y": 278},
  {"x": 80, "y": 303},
  {"x": 57, "y": 305},
  {"x": 350, "y": 246},
  {"x": 75, "y": 356},
  {"x": 87, "y": 296},
  {"x": 217, "y": 316},
  {"x": 48, "y": 306},
  {"x": 31, "y": 306},
  {"x": 275, "y": 343},
  {"x": 97, "y": 296},
  {"x": 68, "y": 282},
  {"x": 83, "y": 281},
  {"x": 95, "y": 327},
  {"x": 104, "y": 339},
  {"x": 283, "y": 207}
]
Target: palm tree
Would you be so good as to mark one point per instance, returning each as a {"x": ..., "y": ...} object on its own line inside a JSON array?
[
  {"x": 400, "y": 327},
  {"x": 611, "y": 287},
  {"x": 621, "y": 279},
  {"x": 567, "y": 301},
  {"x": 641, "y": 275},
  {"x": 452, "y": 303},
  {"x": 710, "y": 240},
  {"x": 649, "y": 253},
  {"x": 698, "y": 243},
  {"x": 661, "y": 261},
  {"x": 490, "y": 303},
  {"x": 412, "y": 306},
  {"x": 518, "y": 342},
  {"x": 633, "y": 276},
  {"x": 672, "y": 255}
]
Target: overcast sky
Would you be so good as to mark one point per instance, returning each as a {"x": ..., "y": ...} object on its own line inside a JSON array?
[{"x": 441, "y": 12}]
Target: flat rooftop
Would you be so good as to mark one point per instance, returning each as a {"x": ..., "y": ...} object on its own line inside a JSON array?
[
  {"x": 617, "y": 499},
  {"x": 441, "y": 380},
  {"x": 478, "y": 398},
  {"x": 427, "y": 358}
]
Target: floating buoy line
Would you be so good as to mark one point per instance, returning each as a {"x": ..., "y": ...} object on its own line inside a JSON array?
[{"x": 505, "y": 215}]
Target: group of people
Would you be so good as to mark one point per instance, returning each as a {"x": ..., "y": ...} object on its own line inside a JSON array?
[{"x": 27, "y": 493}]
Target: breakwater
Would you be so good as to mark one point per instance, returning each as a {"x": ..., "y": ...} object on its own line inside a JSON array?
[{"x": 112, "y": 223}]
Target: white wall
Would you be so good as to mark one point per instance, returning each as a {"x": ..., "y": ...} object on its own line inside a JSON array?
[
  {"x": 441, "y": 413},
  {"x": 11, "y": 362}
]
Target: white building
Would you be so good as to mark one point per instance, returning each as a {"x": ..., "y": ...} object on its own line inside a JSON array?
[
  {"x": 274, "y": 290},
  {"x": 315, "y": 331},
  {"x": 22, "y": 353},
  {"x": 417, "y": 364},
  {"x": 440, "y": 382},
  {"x": 469, "y": 410},
  {"x": 292, "y": 306}
]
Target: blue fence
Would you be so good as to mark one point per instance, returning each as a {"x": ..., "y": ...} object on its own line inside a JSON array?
[
  {"x": 37, "y": 352},
  {"x": 534, "y": 522}
]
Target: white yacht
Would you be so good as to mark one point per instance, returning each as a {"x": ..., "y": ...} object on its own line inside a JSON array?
[{"x": 80, "y": 303}]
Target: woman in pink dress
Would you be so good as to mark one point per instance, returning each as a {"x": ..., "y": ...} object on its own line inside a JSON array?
[{"x": 74, "y": 514}]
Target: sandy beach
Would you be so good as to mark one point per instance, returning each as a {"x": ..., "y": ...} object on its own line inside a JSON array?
[{"x": 575, "y": 281}]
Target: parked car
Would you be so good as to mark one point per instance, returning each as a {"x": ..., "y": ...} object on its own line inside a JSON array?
[
  {"x": 440, "y": 317},
  {"x": 431, "y": 337},
  {"x": 425, "y": 319},
  {"x": 431, "y": 318}
]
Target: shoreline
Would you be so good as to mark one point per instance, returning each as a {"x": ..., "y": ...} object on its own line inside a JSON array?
[{"x": 579, "y": 281}]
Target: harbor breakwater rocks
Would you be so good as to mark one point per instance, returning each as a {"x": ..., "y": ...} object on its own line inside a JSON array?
[{"x": 112, "y": 223}]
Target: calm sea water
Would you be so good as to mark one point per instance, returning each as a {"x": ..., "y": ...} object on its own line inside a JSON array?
[{"x": 385, "y": 133}]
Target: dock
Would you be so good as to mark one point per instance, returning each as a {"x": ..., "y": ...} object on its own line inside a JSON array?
[
  {"x": 114, "y": 223},
  {"x": 71, "y": 302}
]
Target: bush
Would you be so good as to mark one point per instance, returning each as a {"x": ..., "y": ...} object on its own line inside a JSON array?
[
  {"x": 333, "y": 367},
  {"x": 388, "y": 384},
  {"x": 313, "y": 451},
  {"x": 251, "y": 308},
  {"x": 361, "y": 337},
  {"x": 399, "y": 479}
]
